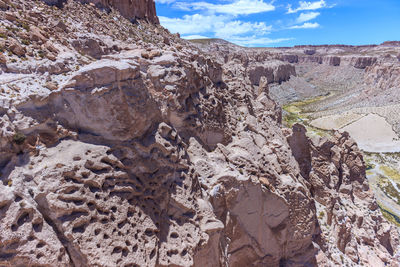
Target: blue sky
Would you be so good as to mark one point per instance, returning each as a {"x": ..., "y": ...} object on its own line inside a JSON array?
[{"x": 284, "y": 22}]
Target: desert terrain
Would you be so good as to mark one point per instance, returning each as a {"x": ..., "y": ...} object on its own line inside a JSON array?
[{"x": 122, "y": 144}]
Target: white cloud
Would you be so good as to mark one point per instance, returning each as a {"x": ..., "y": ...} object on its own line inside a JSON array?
[
  {"x": 193, "y": 24},
  {"x": 200, "y": 26},
  {"x": 220, "y": 26},
  {"x": 222, "y": 19},
  {"x": 306, "y": 25},
  {"x": 237, "y": 7},
  {"x": 303, "y": 17},
  {"x": 303, "y": 5},
  {"x": 256, "y": 40},
  {"x": 235, "y": 28}
]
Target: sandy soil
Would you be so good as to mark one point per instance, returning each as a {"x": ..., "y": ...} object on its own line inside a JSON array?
[
  {"x": 372, "y": 132},
  {"x": 335, "y": 121}
]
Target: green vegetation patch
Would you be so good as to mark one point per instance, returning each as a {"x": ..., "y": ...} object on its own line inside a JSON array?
[
  {"x": 391, "y": 173},
  {"x": 25, "y": 42},
  {"x": 291, "y": 118},
  {"x": 19, "y": 138},
  {"x": 292, "y": 109},
  {"x": 293, "y": 113},
  {"x": 387, "y": 187},
  {"x": 390, "y": 216}
]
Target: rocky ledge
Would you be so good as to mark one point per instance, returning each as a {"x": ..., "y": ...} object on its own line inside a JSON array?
[{"x": 153, "y": 153}]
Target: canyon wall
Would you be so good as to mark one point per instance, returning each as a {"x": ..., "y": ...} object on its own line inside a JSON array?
[
  {"x": 123, "y": 145},
  {"x": 130, "y": 9}
]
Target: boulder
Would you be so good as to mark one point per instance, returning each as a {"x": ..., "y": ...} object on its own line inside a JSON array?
[
  {"x": 17, "y": 48},
  {"x": 3, "y": 59}
]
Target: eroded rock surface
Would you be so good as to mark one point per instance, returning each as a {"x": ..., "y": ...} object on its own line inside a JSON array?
[{"x": 123, "y": 145}]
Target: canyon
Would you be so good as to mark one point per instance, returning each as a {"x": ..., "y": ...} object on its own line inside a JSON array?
[{"x": 124, "y": 145}]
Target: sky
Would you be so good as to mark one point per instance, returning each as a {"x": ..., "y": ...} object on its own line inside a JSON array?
[{"x": 272, "y": 23}]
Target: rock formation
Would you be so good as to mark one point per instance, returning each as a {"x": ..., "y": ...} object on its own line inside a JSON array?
[
  {"x": 335, "y": 170},
  {"x": 274, "y": 72},
  {"x": 131, "y": 10},
  {"x": 123, "y": 145}
]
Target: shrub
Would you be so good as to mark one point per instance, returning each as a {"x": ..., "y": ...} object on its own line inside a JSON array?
[
  {"x": 41, "y": 53},
  {"x": 19, "y": 138},
  {"x": 26, "y": 42}
]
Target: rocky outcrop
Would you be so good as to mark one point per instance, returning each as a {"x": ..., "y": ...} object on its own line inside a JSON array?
[
  {"x": 336, "y": 175},
  {"x": 268, "y": 216},
  {"x": 311, "y": 59},
  {"x": 332, "y": 60},
  {"x": 391, "y": 43},
  {"x": 132, "y": 10},
  {"x": 310, "y": 52},
  {"x": 162, "y": 185},
  {"x": 273, "y": 71},
  {"x": 58, "y": 3},
  {"x": 384, "y": 76},
  {"x": 362, "y": 62},
  {"x": 289, "y": 58},
  {"x": 133, "y": 147}
]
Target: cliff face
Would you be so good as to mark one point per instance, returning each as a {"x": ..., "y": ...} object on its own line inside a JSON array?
[
  {"x": 130, "y": 9},
  {"x": 335, "y": 170},
  {"x": 128, "y": 147}
]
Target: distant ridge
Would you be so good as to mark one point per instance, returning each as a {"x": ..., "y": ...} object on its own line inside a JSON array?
[{"x": 208, "y": 41}]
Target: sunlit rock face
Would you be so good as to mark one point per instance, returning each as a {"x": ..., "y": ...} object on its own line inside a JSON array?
[{"x": 123, "y": 145}]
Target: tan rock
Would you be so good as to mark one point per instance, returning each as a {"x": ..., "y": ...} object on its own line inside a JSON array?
[
  {"x": 166, "y": 154},
  {"x": 50, "y": 46},
  {"x": 89, "y": 46},
  {"x": 51, "y": 56},
  {"x": 61, "y": 25},
  {"x": 3, "y": 59},
  {"x": 273, "y": 71},
  {"x": 3, "y": 5},
  {"x": 51, "y": 86},
  {"x": 17, "y": 48},
  {"x": 151, "y": 54},
  {"x": 37, "y": 34},
  {"x": 10, "y": 16},
  {"x": 337, "y": 175}
]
